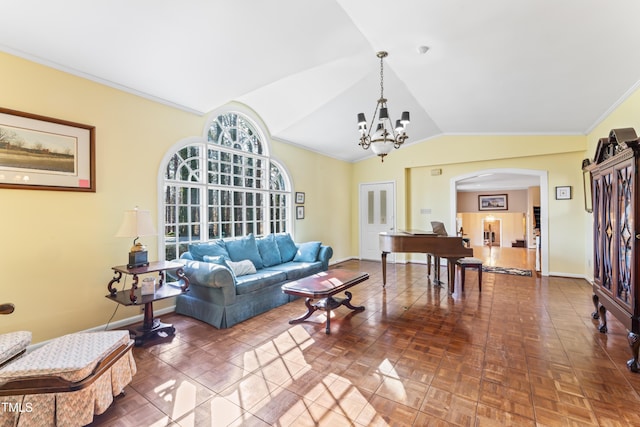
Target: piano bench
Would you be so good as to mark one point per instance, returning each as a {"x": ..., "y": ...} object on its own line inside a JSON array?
[{"x": 469, "y": 262}]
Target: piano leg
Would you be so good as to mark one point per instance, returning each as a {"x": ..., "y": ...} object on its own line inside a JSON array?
[
  {"x": 451, "y": 269},
  {"x": 436, "y": 271},
  {"x": 384, "y": 269}
]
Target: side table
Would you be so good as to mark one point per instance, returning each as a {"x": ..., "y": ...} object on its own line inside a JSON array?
[{"x": 150, "y": 326}]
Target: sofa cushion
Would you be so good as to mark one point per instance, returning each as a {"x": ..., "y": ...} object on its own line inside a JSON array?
[
  {"x": 260, "y": 280},
  {"x": 307, "y": 252},
  {"x": 297, "y": 270},
  {"x": 242, "y": 268},
  {"x": 244, "y": 248},
  {"x": 269, "y": 252},
  {"x": 216, "y": 248},
  {"x": 286, "y": 246}
]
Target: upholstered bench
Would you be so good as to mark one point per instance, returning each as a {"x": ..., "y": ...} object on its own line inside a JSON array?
[
  {"x": 67, "y": 380},
  {"x": 13, "y": 345},
  {"x": 469, "y": 262}
]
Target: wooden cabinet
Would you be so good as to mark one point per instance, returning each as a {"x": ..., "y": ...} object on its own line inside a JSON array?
[{"x": 615, "y": 197}]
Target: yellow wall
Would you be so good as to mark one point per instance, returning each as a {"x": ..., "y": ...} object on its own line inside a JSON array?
[
  {"x": 410, "y": 167},
  {"x": 58, "y": 246}
]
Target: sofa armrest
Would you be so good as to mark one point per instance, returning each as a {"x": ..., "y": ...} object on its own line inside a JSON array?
[
  {"x": 324, "y": 255},
  {"x": 207, "y": 274}
]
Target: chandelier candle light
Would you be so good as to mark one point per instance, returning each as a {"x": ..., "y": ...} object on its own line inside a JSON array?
[{"x": 385, "y": 136}]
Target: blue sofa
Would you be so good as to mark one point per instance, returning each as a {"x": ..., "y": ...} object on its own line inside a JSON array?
[{"x": 233, "y": 280}]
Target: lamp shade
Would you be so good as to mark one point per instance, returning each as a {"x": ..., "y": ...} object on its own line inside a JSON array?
[{"x": 136, "y": 223}]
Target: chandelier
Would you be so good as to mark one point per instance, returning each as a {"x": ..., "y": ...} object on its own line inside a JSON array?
[{"x": 385, "y": 136}]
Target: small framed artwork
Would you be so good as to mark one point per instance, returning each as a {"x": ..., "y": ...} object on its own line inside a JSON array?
[
  {"x": 42, "y": 153},
  {"x": 299, "y": 197},
  {"x": 563, "y": 193},
  {"x": 493, "y": 202},
  {"x": 299, "y": 212}
]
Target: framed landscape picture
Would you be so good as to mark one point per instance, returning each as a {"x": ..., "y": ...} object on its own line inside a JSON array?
[
  {"x": 43, "y": 153},
  {"x": 493, "y": 202}
]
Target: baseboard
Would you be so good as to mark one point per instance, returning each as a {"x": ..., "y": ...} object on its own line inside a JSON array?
[
  {"x": 571, "y": 275},
  {"x": 114, "y": 325}
]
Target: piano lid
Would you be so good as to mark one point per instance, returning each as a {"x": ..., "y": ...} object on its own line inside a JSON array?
[
  {"x": 408, "y": 232},
  {"x": 418, "y": 232}
]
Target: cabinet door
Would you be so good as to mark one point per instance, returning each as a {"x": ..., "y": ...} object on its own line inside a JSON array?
[
  {"x": 605, "y": 230},
  {"x": 597, "y": 228},
  {"x": 624, "y": 286}
]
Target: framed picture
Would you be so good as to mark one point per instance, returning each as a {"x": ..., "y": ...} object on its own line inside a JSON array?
[
  {"x": 563, "y": 193},
  {"x": 41, "y": 153},
  {"x": 299, "y": 212},
  {"x": 299, "y": 197},
  {"x": 493, "y": 202}
]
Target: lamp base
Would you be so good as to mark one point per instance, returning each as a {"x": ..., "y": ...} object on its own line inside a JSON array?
[{"x": 138, "y": 259}]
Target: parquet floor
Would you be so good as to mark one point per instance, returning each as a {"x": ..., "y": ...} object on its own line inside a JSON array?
[{"x": 524, "y": 352}]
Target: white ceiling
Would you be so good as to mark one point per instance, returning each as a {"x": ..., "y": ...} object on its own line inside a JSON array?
[{"x": 308, "y": 67}]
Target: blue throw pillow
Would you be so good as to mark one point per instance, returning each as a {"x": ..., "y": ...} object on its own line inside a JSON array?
[
  {"x": 269, "y": 251},
  {"x": 199, "y": 250},
  {"x": 244, "y": 248},
  {"x": 307, "y": 252},
  {"x": 286, "y": 246}
]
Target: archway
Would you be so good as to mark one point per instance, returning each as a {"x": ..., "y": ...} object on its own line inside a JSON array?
[{"x": 544, "y": 202}]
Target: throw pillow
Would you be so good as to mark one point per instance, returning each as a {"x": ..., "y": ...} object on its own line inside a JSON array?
[
  {"x": 216, "y": 248},
  {"x": 286, "y": 246},
  {"x": 269, "y": 251},
  {"x": 244, "y": 248},
  {"x": 242, "y": 268},
  {"x": 307, "y": 252}
]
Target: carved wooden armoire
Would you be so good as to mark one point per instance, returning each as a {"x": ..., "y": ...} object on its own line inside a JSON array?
[{"x": 615, "y": 197}]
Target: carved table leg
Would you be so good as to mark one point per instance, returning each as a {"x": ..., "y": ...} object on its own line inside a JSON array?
[
  {"x": 347, "y": 302},
  {"x": 634, "y": 343},
  {"x": 596, "y": 302},
  {"x": 310, "y": 309},
  {"x": 602, "y": 327},
  {"x": 116, "y": 279}
]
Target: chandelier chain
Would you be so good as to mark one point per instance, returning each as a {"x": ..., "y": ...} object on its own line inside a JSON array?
[{"x": 381, "y": 77}]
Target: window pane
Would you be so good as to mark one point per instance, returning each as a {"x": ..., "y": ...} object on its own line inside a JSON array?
[
  {"x": 370, "y": 207},
  {"x": 383, "y": 206}
]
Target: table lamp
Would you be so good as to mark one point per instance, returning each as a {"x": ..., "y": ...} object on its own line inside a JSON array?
[{"x": 136, "y": 223}]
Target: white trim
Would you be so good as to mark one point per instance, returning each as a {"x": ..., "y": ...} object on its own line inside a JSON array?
[{"x": 544, "y": 204}]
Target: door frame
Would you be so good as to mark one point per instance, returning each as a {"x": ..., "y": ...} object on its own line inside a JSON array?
[
  {"x": 360, "y": 213},
  {"x": 544, "y": 204}
]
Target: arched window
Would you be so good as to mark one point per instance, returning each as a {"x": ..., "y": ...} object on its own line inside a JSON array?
[{"x": 226, "y": 186}]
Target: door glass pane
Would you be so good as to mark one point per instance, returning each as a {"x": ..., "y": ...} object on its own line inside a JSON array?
[
  {"x": 370, "y": 207},
  {"x": 383, "y": 206}
]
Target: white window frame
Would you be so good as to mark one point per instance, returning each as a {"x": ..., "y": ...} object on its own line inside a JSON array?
[{"x": 203, "y": 185}]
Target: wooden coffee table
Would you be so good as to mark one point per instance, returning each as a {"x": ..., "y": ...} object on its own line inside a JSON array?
[{"x": 324, "y": 286}]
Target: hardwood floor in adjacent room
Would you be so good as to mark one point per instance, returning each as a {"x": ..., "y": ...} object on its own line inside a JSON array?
[{"x": 523, "y": 352}]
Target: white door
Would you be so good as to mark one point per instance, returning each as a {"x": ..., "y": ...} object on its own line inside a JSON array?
[{"x": 377, "y": 214}]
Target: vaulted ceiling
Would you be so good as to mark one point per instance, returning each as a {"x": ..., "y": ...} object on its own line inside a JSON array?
[{"x": 308, "y": 67}]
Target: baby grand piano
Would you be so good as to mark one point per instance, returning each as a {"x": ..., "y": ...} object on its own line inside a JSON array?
[{"x": 449, "y": 247}]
